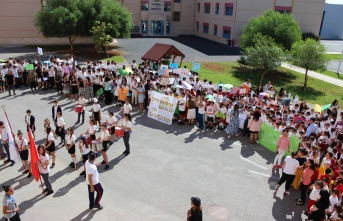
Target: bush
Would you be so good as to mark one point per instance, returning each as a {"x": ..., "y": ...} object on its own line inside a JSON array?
[{"x": 311, "y": 35}]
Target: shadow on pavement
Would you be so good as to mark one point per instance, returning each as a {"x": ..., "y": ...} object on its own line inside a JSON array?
[{"x": 88, "y": 212}]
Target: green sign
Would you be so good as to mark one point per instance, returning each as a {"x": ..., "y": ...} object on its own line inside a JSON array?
[
  {"x": 269, "y": 136},
  {"x": 29, "y": 67}
]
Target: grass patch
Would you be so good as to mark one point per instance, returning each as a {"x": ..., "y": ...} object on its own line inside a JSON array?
[
  {"x": 334, "y": 56},
  {"x": 332, "y": 74},
  {"x": 317, "y": 91},
  {"x": 116, "y": 58}
]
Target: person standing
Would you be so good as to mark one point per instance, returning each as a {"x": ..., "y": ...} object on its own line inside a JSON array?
[
  {"x": 43, "y": 166},
  {"x": 30, "y": 122},
  {"x": 306, "y": 180},
  {"x": 182, "y": 108},
  {"x": 50, "y": 146},
  {"x": 104, "y": 140},
  {"x": 147, "y": 89},
  {"x": 195, "y": 212},
  {"x": 127, "y": 108},
  {"x": 110, "y": 124},
  {"x": 10, "y": 208},
  {"x": 283, "y": 143},
  {"x": 23, "y": 148},
  {"x": 97, "y": 112},
  {"x": 70, "y": 146},
  {"x": 135, "y": 94},
  {"x": 4, "y": 142},
  {"x": 125, "y": 125},
  {"x": 32, "y": 78},
  {"x": 55, "y": 109},
  {"x": 85, "y": 151},
  {"x": 82, "y": 101},
  {"x": 254, "y": 126},
  {"x": 10, "y": 81},
  {"x": 201, "y": 104},
  {"x": 290, "y": 165},
  {"x": 60, "y": 131},
  {"x": 92, "y": 176},
  {"x": 234, "y": 122},
  {"x": 140, "y": 91}
]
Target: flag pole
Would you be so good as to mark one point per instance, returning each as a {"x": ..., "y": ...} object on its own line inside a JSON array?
[{"x": 13, "y": 135}]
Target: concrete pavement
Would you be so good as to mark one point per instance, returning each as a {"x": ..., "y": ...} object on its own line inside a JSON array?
[{"x": 167, "y": 166}]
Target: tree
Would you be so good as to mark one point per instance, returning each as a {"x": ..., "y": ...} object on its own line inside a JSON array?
[
  {"x": 75, "y": 18},
  {"x": 310, "y": 55},
  {"x": 265, "y": 54},
  {"x": 100, "y": 36},
  {"x": 281, "y": 27}
]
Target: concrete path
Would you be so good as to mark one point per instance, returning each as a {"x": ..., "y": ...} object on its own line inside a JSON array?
[{"x": 316, "y": 75}]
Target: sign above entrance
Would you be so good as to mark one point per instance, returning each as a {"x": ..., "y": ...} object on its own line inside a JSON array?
[{"x": 157, "y": 5}]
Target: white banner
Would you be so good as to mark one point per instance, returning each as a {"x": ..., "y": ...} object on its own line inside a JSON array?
[
  {"x": 40, "y": 51},
  {"x": 162, "y": 107},
  {"x": 13, "y": 150}
]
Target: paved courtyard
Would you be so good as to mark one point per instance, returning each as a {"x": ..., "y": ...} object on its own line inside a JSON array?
[{"x": 167, "y": 166}]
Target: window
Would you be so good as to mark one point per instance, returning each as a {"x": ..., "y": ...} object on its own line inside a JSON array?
[
  {"x": 198, "y": 8},
  {"x": 207, "y": 9},
  {"x": 145, "y": 5},
  {"x": 44, "y": 4},
  {"x": 177, "y": 1},
  {"x": 167, "y": 6},
  {"x": 282, "y": 9},
  {"x": 217, "y": 9},
  {"x": 229, "y": 11},
  {"x": 205, "y": 29},
  {"x": 215, "y": 32},
  {"x": 227, "y": 34},
  {"x": 176, "y": 16}
]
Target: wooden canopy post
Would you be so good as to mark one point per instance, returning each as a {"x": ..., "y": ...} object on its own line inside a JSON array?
[{"x": 181, "y": 62}]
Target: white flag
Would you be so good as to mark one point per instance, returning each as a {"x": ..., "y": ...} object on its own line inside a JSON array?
[
  {"x": 13, "y": 151},
  {"x": 40, "y": 51}
]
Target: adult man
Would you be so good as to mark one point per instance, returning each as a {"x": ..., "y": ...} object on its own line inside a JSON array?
[
  {"x": 93, "y": 183},
  {"x": 4, "y": 142},
  {"x": 82, "y": 101},
  {"x": 312, "y": 129},
  {"x": 10, "y": 81},
  {"x": 30, "y": 122},
  {"x": 55, "y": 109}
]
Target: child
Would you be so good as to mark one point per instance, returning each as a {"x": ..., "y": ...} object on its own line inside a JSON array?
[
  {"x": 325, "y": 184},
  {"x": 43, "y": 166},
  {"x": 337, "y": 209},
  {"x": 314, "y": 196},
  {"x": 339, "y": 186},
  {"x": 333, "y": 201},
  {"x": 210, "y": 110}
]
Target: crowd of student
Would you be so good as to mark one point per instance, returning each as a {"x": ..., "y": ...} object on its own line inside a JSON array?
[{"x": 316, "y": 166}]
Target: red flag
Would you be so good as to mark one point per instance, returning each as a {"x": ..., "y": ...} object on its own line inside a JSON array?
[{"x": 34, "y": 157}]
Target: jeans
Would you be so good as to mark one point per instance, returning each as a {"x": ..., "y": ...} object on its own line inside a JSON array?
[
  {"x": 11, "y": 87},
  {"x": 83, "y": 116},
  {"x": 6, "y": 147},
  {"x": 200, "y": 118},
  {"x": 286, "y": 178},
  {"x": 279, "y": 157},
  {"x": 126, "y": 139},
  {"x": 46, "y": 179},
  {"x": 99, "y": 192}
]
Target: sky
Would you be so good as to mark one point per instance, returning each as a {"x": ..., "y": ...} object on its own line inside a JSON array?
[{"x": 334, "y": 1}]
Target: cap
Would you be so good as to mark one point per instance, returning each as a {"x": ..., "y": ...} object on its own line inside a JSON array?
[
  {"x": 196, "y": 201},
  {"x": 95, "y": 100}
]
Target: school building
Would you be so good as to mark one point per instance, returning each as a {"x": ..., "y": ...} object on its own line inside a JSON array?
[{"x": 218, "y": 20}]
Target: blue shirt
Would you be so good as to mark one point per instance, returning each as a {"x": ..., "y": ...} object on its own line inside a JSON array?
[{"x": 312, "y": 129}]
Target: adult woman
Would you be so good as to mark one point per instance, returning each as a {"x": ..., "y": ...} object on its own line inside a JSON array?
[
  {"x": 141, "y": 96},
  {"x": 39, "y": 77},
  {"x": 58, "y": 82},
  {"x": 103, "y": 139},
  {"x": 49, "y": 145},
  {"x": 135, "y": 93},
  {"x": 107, "y": 91},
  {"x": 255, "y": 126},
  {"x": 302, "y": 152},
  {"x": 318, "y": 209},
  {"x": 195, "y": 212},
  {"x": 290, "y": 165},
  {"x": 60, "y": 131},
  {"x": 2, "y": 81},
  {"x": 23, "y": 148},
  {"x": 335, "y": 104},
  {"x": 70, "y": 146},
  {"x": 31, "y": 78},
  {"x": 74, "y": 88},
  {"x": 80, "y": 86},
  {"x": 43, "y": 166},
  {"x": 111, "y": 122},
  {"x": 281, "y": 93},
  {"x": 97, "y": 112},
  {"x": 191, "y": 110},
  {"x": 306, "y": 180},
  {"x": 88, "y": 89},
  {"x": 66, "y": 86},
  {"x": 125, "y": 125},
  {"x": 122, "y": 93},
  {"x": 85, "y": 151},
  {"x": 10, "y": 208},
  {"x": 91, "y": 131},
  {"x": 232, "y": 128}
]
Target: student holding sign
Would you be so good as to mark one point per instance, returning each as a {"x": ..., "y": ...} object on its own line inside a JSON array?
[
  {"x": 210, "y": 109},
  {"x": 182, "y": 108}
]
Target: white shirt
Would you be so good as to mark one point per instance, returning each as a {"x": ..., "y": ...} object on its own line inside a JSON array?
[
  {"x": 127, "y": 108},
  {"x": 201, "y": 110},
  {"x": 125, "y": 124},
  {"x": 314, "y": 195},
  {"x": 96, "y": 107},
  {"x": 333, "y": 201},
  {"x": 55, "y": 111},
  {"x": 111, "y": 120},
  {"x": 291, "y": 165},
  {"x": 21, "y": 143},
  {"x": 182, "y": 100},
  {"x": 43, "y": 159},
  {"x": 69, "y": 139},
  {"x": 92, "y": 129},
  {"x": 85, "y": 150},
  {"x": 60, "y": 122},
  {"x": 104, "y": 135},
  {"x": 91, "y": 169},
  {"x": 51, "y": 136},
  {"x": 83, "y": 102},
  {"x": 28, "y": 118}
]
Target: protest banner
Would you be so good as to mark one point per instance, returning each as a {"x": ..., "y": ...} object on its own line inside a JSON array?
[
  {"x": 218, "y": 98},
  {"x": 162, "y": 107},
  {"x": 196, "y": 66},
  {"x": 29, "y": 67},
  {"x": 40, "y": 51},
  {"x": 268, "y": 138}
]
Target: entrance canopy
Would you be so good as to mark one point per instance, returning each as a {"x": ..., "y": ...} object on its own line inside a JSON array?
[{"x": 158, "y": 51}]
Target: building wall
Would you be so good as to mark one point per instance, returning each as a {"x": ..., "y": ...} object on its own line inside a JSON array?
[{"x": 332, "y": 27}]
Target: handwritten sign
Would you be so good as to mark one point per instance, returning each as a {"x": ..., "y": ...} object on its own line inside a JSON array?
[{"x": 162, "y": 107}]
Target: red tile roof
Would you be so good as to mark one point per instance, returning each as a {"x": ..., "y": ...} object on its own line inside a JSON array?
[{"x": 159, "y": 50}]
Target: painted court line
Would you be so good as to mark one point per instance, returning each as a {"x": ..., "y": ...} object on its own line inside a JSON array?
[
  {"x": 249, "y": 161},
  {"x": 262, "y": 174}
]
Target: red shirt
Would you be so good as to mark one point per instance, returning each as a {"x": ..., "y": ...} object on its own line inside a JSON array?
[
  {"x": 327, "y": 177},
  {"x": 314, "y": 177},
  {"x": 340, "y": 190}
]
